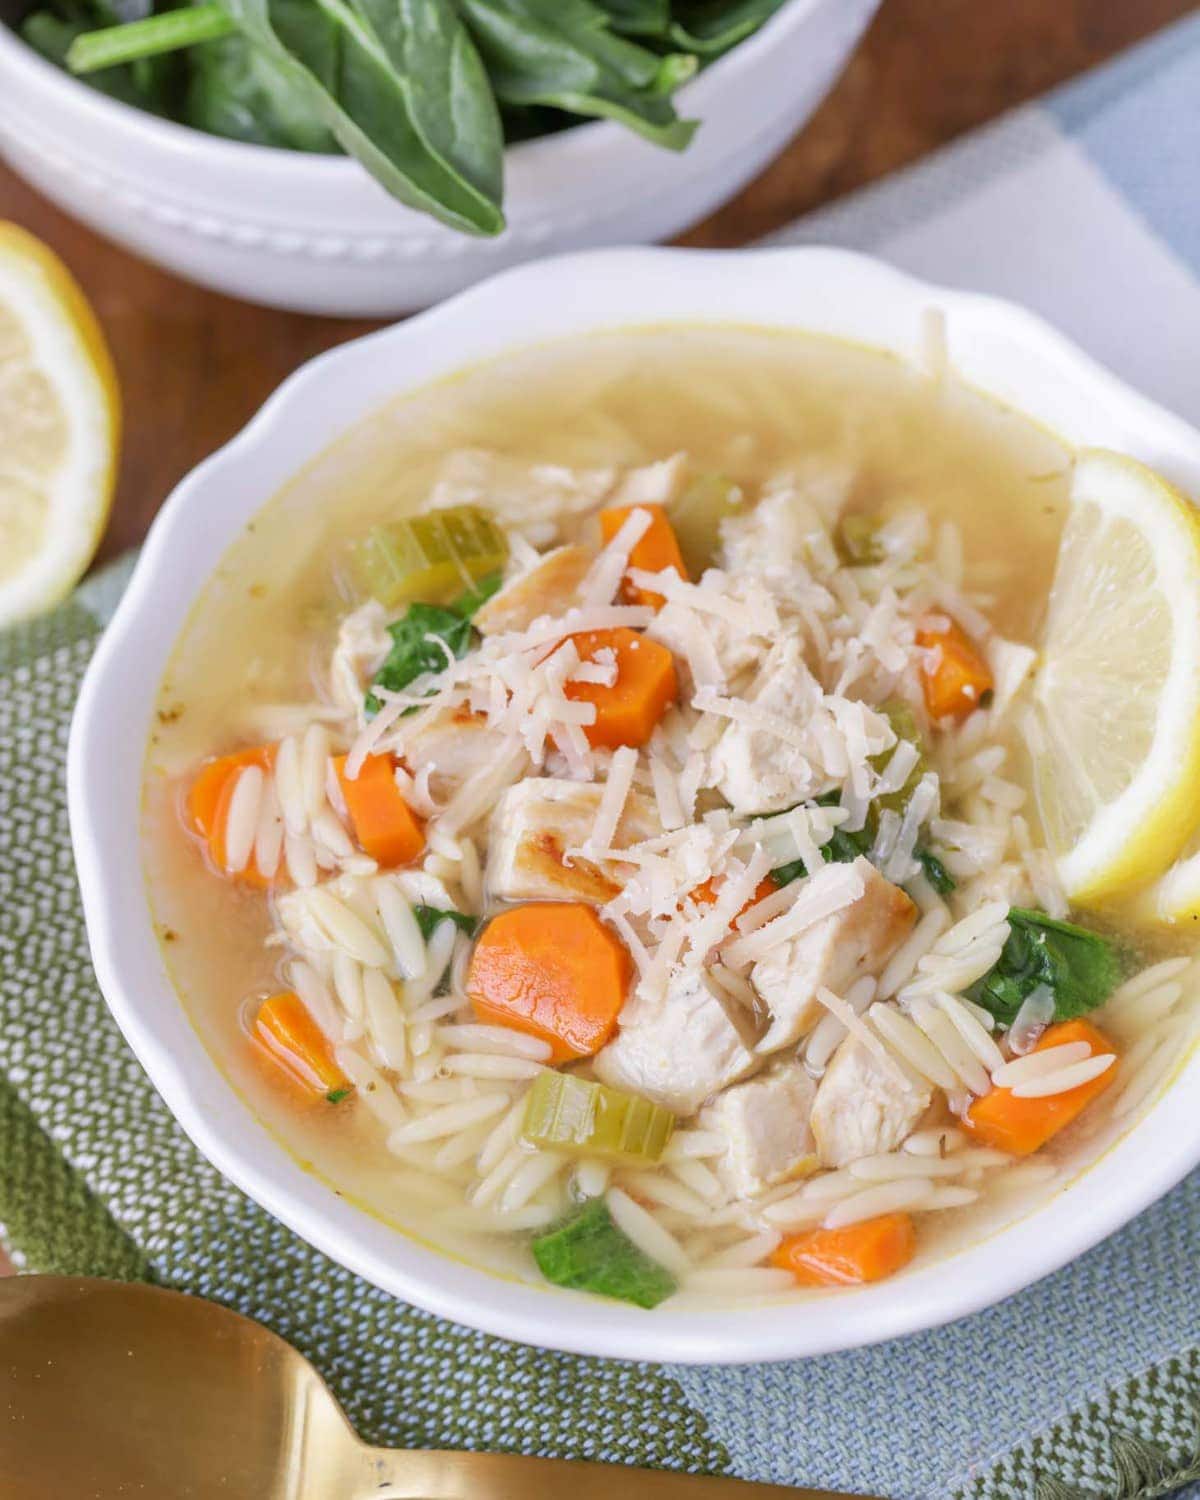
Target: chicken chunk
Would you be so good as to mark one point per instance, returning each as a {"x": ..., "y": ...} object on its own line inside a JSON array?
[
  {"x": 788, "y": 528},
  {"x": 754, "y": 768},
  {"x": 766, "y": 1122},
  {"x": 455, "y": 744},
  {"x": 534, "y": 825},
  {"x": 362, "y": 647},
  {"x": 730, "y": 649},
  {"x": 548, "y": 588},
  {"x": 852, "y": 942},
  {"x": 678, "y": 1052},
  {"x": 862, "y": 1106}
]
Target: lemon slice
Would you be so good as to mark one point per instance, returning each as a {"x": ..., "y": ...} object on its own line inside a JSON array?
[
  {"x": 1175, "y": 896},
  {"x": 1114, "y": 732},
  {"x": 59, "y": 427}
]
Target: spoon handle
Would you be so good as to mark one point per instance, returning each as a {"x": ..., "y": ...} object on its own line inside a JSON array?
[{"x": 433, "y": 1475}]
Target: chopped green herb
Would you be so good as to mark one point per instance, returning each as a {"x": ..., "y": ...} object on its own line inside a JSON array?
[
  {"x": 335, "y": 1096},
  {"x": 589, "y": 1253},
  {"x": 415, "y": 649},
  {"x": 469, "y": 604},
  {"x": 935, "y": 871},
  {"x": 431, "y": 917},
  {"x": 1080, "y": 968}
]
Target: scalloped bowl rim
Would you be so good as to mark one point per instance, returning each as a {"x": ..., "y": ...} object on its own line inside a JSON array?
[
  {"x": 174, "y": 135},
  {"x": 566, "y": 295}
]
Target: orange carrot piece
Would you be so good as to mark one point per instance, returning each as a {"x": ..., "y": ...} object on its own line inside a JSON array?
[
  {"x": 961, "y": 680},
  {"x": 385, "y": 826},
  {"x": 284, "y": 1027},
  {"x": 867, "y": 1251},
  {"x": 1022, "y": 1126},
  {"x": 646, "y": 686},
  {"x": 655, "y": 550},
  {"x": 208, "y": 805},
  {"x": 554, "y": 970},
  {"x": 706, "y": 892}
]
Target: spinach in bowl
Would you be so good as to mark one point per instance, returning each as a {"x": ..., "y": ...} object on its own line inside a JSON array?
[{"x": 424, "y": 93}]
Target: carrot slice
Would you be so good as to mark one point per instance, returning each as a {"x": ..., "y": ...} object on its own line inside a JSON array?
[
  {"x": 655, "y": 550},
  {"x": 961, "y": 680},
  {"x": 385, "y": 826},
  {"x": 646, "y": 686},
  {"x": 286, "y": 1030},
  {"x": 1022, "y": 1126},
  {"x": 857, "y": 1253},
  {"x": 706, "y": 892},
  {"x": 208, "y": 805},
  {"x": 554, "y": 970}
]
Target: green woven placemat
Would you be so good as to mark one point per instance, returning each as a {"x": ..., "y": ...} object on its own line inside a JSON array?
[{"x": 96, "y": 1179}]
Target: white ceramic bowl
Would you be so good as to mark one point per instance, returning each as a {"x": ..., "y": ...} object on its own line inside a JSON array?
[
  {"x": 316, "y": 234},
  {"x": 995, "y": 346}
]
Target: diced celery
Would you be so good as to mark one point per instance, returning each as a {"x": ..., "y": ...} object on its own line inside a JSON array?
[
  {"x": 904, "y": 723},
  {"x": 590, "y": 1254},
  {"x": 571, "y": 1114},
  {"x": 696, "y": 517},
  {"x": 858, "y": 539},
  {"x": 431, "y": 558}
]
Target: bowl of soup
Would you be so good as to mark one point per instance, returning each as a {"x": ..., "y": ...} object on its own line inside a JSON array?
[{"x": 650, "y": 810}]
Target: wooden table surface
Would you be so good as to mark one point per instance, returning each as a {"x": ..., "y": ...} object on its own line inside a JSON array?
[{"x": 195, "y": 365}]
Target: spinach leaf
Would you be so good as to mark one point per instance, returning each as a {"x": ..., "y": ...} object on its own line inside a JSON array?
[
  {"x": 147, "y": 82},
  {"x": 400, "y": 84},
  {"x": 1080, "y": 968},
  {"x": 243, "y": 92},
  {"x": 429, "y": 918},
  {"x": 52, "y": 36},
  {"x": 564, "y": 53},
  {"x": 935, "y": 871},
  {"x": 638, "y": 17},
  {"x": 469, "y": 604},
  {"x": 412, "y": 105},
  {"x": 453, "y": 108},
  {"x": 841, "y": 849},
  {"x": 589, "y": 1252},
  {"x": 710, "y": 27},
  {"x": 413, "y": 652}
]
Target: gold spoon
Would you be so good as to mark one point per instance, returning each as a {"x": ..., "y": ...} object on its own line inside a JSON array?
[{"x": 112, "y": 1390}]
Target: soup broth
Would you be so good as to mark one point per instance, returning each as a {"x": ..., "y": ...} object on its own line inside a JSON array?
[{"x": 960, "y": 489}]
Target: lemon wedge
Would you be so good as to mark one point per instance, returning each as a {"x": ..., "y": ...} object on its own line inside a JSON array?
[
  {"x": 1175, "y": 896},
  {"x": 1114, "y": 730},
  {"x": 59, "y": 427}
]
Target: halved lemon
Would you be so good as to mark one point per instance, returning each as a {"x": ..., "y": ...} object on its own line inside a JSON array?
[
  {"x": 59, "y": 427},
  {"x": 1114, "y": 732}
]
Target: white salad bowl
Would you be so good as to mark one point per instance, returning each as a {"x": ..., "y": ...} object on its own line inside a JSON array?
[
  {"x": 996, "y": 347},
  {"x": 317, "y": 234}
]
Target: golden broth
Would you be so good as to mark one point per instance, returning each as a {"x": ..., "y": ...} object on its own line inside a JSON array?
[{"x": 744, "y": 402}]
